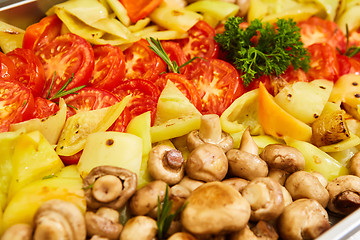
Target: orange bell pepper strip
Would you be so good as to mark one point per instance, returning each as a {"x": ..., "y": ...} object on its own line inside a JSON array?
[
  {"x": 139, "y": 9},
  {"x": 276, "y": 122}
]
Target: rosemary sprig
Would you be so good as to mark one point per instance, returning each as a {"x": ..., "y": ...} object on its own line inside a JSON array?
[
  {"x": 164, "y": 217},
  {"x": 173, "y": 66},
  {"x": 62, "y": 92},
  {"x": 352, "y": 50}
]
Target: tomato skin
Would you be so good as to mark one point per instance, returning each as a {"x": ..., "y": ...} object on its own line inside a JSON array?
[
  {"x": 30, "y": 70},
  {"x": 139, "y": 9},
  {"x": 323, "y": 62},
  {"x": 175, "y": 52},
  {"x": 145, "y": 95},
  {"x": 7, "y": 68},
  {"x": 121, "y": 123},
  {"x": 71, "y": 160},
  {"x": 109, "y": 68},
  {"x": 17, "y": 103},
  {"x": 317, "y": 30},
  {"x": 348, "y": 65},
  {"x": 44, "y": 108},
  {"x": 41, "y": 33},
  {"x": 218, "y": 84},
  {"x": 67, "y": 55},
  {"x": 142, "y": 62}
]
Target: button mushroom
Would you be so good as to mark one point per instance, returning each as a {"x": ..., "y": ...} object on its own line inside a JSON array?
[
  {"x": 344, "y": 194},
  {"x": 245, "y": 161},
  {"x": 139, "y": 227},
  {"x": 181, "y": 236},
  {"x": 109, "y": 186},
  {"x": 238, "y": 183},
  {"x": 262, "y": 230},
  {"x": 303, "y": 219},
  {"x": 58, "y": 219},
  {"x": 210, "y": 132},
  {"x": 265, "y": 197},
  {"x": 20, "y": 231},
  {"x": 190, "y": 184},
  {"x": 103, "y": 223},
  {"x": 283, "y": 158},
  {"x": 207, "y": 162},
  {"x": 166, "y": 163},
  {"x": 215, "y": 208},
  {"x": 355, "y": 164}
]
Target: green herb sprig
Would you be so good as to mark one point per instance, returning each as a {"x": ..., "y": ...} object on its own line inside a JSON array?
[
  {"x": 350, "y": 50},
  {"x": 263, "y": 48},
  {"x": 62, "y": 92}
]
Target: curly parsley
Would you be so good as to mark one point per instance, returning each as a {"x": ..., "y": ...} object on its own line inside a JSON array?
[{"x": 263, "y": 48}]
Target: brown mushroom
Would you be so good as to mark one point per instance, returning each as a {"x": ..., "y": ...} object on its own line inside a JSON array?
[
  {"x": 355, "y": 164},
  {"x": 207, "y": 162},
  {"x": 344, "y": 194},
  {"x": 190, "y": 184},
  {"x": 166, "y": 163},
  {"x": 58, "y": 219},
  {"x": 139, "y": 227},
  {"x": 321, "y": 178},
  {"x": 265, "y": 197},
  {"x": 238, "y": 183},
  {"x": 96, "y": 237},
  {"x": 109, "y": 186},
  {"x": 283, "y": 159},
  {"x": 181, "y": 236},
  {"x": 210, "y": 132},
  {"x": 215, "y": 208},
  {"x": 303, "y": 219},
  {"x": 103, "y": 223},
  {"x": 262, "y": 230},
  {"x": 302, "y": 184},
  {"x": 20, "y": 231},
  {"x": 146, "y": 198}
]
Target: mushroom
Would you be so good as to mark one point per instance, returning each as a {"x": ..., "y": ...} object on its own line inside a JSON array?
[
  {"x": 146, "y": 198},
  {"x": 215, "y": 208},
  {"x": 303, "y": 219},
  {"x": 139, "y": 227},
  {"x": 181, "y": 236},
  {"x": 344, "y": 194},
  {"x": 321, "y": 178},
  {"x": 302, "y": 184},
  {"x": 265, "y": 197},
  {"x": 238, "y": 183},
  {"x": 109, "y": 186},
  {"x": 245, "y": 161},
  {"x": 262, "y": 230},
  {"x": 96, "y": 237},
  {"x": 287, "y": 197},
  {"x": 190, "y": 184},
  {"x": 166, "y": 163},
  {"x": 103, "y": 223},
  {"x": 58, "y": 219},
  {"x": 284, "y": 159},
  {"x": 20, "y": 231},
  {"x": 207, "y": 162},
  {"x": 210, "y": 132},
  {"x": 355, "y": 164}
]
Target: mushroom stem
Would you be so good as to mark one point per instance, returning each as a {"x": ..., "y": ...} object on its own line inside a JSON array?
[
  {"x": 248, "y": 144},
  {"x": 174, "y": 159},
  {"x": 210, "y": 128},
  {"x": 107, "y": 188}
]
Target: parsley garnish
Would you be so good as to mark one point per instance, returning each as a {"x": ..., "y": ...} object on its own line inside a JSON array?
[
  {"x": 62, "y": 92},
  {"x": 263, "y": 48}
]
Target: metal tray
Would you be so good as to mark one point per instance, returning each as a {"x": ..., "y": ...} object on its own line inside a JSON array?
[{"x": 22, "y": 13}]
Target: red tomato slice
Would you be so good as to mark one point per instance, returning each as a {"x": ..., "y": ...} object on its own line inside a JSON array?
[
  {"x": 29, "y": 69},
  {"x": 348, "y": 65},
  {"x": 142, "y": 62},
  {"x": 44, "y": 108},
  {"x": 67, "y": 55},
  {"x": 317, "y": 30},
  {"x": 109, "y": 68},
  {"x": 41, "y": 33},
  {"x": 175, "y": 52},
  {"x": 218, "y": 84},
  {"x": 121, "y": 123},
  {"x": 183, "y": 84},
  {"x": 17, "y": 103},
  {"x": 323, "y": 62},
  {"x": 139, "y": 9},
  {"x": 145, "y": 95},
  {"x": 7, "y": 68}
]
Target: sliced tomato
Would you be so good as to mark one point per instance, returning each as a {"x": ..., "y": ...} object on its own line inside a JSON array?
[
  {"x": 218, "y": 84},
  {"x": 109, "y": 68},
  {"x": 41, "y": 33},
  {"x": 142, "y": 62},
  {"x": 318, "y": 30},
  {"x": 7, "y": 68},
  {"x": 323, "y": 62},
  {"x": 66, "y": 56},
  {"x": 186, "y": 86},
  {"x": 139, "y": 9},
  {"x": 17, "y": 103},
  {"x": 44, "y": 108},
  {"x": 348, "y": 65},
  {"x": 30, "y": 70},
  {"x": 121, "y": 123},
  {"x": 145, "y": 95},
  {"x": 175, "y": 52},
  {"x": 71, "y": 160}
]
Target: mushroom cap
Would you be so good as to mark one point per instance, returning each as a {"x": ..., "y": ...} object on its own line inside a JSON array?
[
  {"x": 20, "y": 231},
  {"x": 281, "y": 156},
  {"x": 344, "y": 194},
  {"x": 207, "y": 162},
  {"x": 246, "y": 165},
  {"x": 355, "y": 164},
  {"x": 181, "y": 236},
  {"x": 59, "y": 219},
  {"x": 102, "y": 226},
  {"x": 238, "y": 183},
  {"x": 266, "y": 198},
  {"x": 262, "y": 230},
  {"x": 215, "y": 208},
  {"x": 139, "y": 227},
  {"x": 302, "y": 184},
  {"x": 303, "y": 219}
]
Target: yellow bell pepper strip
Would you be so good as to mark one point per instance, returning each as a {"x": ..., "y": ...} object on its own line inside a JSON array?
[{"x": 276, "y": 122}]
